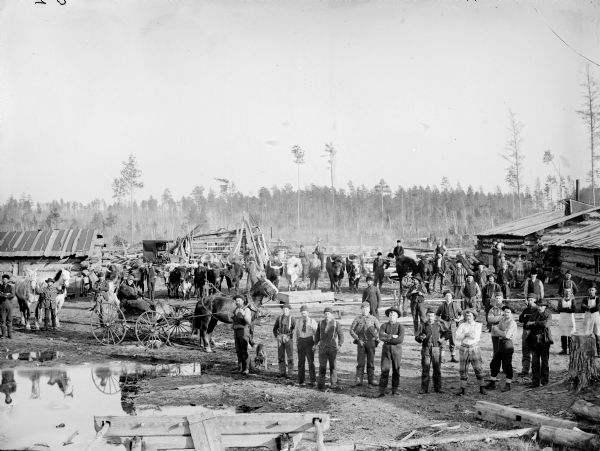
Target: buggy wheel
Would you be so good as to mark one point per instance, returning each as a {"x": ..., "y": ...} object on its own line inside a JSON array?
[
  {"x": 150, "y": 329},
  {"x": 105, "y": 380},
  {"x": 108, "y": 323},
  {"x": 179, "y": 324}
]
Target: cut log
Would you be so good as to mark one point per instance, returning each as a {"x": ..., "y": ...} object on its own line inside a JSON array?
[
  {"x": 496, "y": 413},
  {"x": 427, "y": 441},
  {"x": 583, "y": 370},
  {"x": 300, "y": 297},
  {"x": 586, "y": 410},
  {"x": 570, "y": 438}
]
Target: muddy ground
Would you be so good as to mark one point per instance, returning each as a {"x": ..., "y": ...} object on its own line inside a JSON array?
[{"x": 357, "y": 414}]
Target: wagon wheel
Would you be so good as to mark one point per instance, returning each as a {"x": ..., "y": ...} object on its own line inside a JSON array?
[
  {"x": 179, "y": 324},
  {"x": 109, "y": 326},
  {"x": 150, "y": 329},
  {"x": 105, "y": 380}
]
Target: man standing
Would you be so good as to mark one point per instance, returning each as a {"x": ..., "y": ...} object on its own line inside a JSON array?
[
  {"x": 151, "y": 279},
  {"x": 591, "y": 319},
  {"x": 398, "y": 254},
  {"x": 440, "y": 249},
  {"x": 481, "y": 275},
  {"x": 372, "y": 295},
  {"x": 320, "y": 251},
  {"x": 468, "y": 335},
  {"x": 365, "y": 332},
  {"x": 392, "y": 335},
  {"x": 329, "y": 338},
  {"x": 406, "y": 285},
  {"x": 471, "y": 294},
  {"x": 489, "y": 292},
  {"x": 494, "y": 316},
  {"x": 505, "y": 277},
  {"x": 567, "y": 284},
  {"x": 539, "y": 341},
  {"x": 304, "y": 260},
  {"x": 533, "y": 287},
  {"x": 449, "y": 313},
  {"x": 305, "y": 331},
  {"x": 566, "y": 319},
  {"x": 505, "y": 330},
  {"x": 242, "y": 322},
  {"x": 7, "y": 292},
  {"x": 424, "y": 269},
  {"x": 379, "y": 266},
  {"x": 314, "y": 271},
  {"x": 283, "y": 329},
  {"x": 524, "y": 318},
  {"x": 417, "y": 303},
  {"x": 459, "y": 277},
  {"x": 430, "y": 337}
]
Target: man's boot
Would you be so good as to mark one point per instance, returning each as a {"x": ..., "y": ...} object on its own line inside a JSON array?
[
  {"x": 371, "y": 379},
  {"x": 462, "y": 391},
  {"x": 563, "y": 345},
  {"x": 359, "y": 379},
  {"x": 482, "y": 390},
  {"x": 506, "y": 387},
  {"x": 491, "y": 385}
]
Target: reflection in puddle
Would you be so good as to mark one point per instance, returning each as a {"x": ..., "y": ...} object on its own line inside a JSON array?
[
  {"x": 42, "y": 356},
  {"x": 49, "y": 397}
]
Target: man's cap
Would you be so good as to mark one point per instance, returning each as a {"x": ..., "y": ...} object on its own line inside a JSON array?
[
  {"x": 533, "y": 272},
  {"x": 379, "y": 253},
  {"x": 49, "y": 280},
  {"x": 398, "y": 241},
  {"x": 304, "y": 308},
  {"x": 594, "y": 286},
  {"x": 542, "y": 303},
  {"x": 286, "y": 305},
  {"x": 327, "y": 309},
  {"x": 409, "y": 271},
  {"x": 430, "y": 311},
  {"x": 393, "y": 309},
  {"x": 491, "y": 276},
  {"x": 365, "y": 304},
  {"x": 446, "y": 292},
  {"x": 471, "y": 311},
  {"x": 5, "y": 276},
  {"x": 506, "y": 307},
  {"x": 369, "y": 278},
  {"x": 238, "y": 296}
]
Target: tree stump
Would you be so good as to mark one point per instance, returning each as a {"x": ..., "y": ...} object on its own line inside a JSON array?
[{"x": 583, "y": 370}]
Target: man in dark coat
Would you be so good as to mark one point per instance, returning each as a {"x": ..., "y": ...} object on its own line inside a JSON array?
[
  {"x": 329, "y": 338},
  {"x": 372, "y": 295},
  {"x": 398, "y": 254},
  {"x": 489, "y": 292},
  {"x": 283, "y": 329},
  {"x": 524, "y": 318},
  {"x": 365, "y": 332},
  {"x": 429, "y": 335},
  {"x": 449, "y": 313},
  {"x": 539, "y": 341},
  {"x": 379, "y": 267},
  {"x": 505, "y": 277},
  {"x": 392, "y": 335},
  {"x": 7, "y": 292}
]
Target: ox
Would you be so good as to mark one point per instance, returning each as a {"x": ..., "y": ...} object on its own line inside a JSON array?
[
  {"x": 274, "y": 270},
  {"x": 335, "y": 269},
  {"x": 27, "y": 292},
  {"x": 180, "y": 278},
  {"x": 353, "y": 268},
  {"x": 234, "y": 272},
  {"x": 293, "y": 272}
]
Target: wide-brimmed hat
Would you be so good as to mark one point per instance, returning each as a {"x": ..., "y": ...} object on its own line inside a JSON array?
[
  {"x": 304, "y": 308},
  {"x": 393, "y": 309},
  {"x": 327, "y": 309}
]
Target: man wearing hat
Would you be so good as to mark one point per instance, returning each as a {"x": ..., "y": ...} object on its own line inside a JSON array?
[
  {"x": 591, "y": 318},
  {"x": 242, "y": 322},
  {"x": 449, "y": 313},
  {"x": 430, "y": 337},
  {"x": 494, "y": 316},
  {"x": 417, "y": 303},
  {"x": 283, "y": 329},
  {"x": 365, "y": 332},
  {"x": 314, "y": 271},
  {"x": 539, "y": 341},
  {"x": 567, "y": 284},
  {"x": 489, "y": 292},
  {"x": 398, "y": 252},
  {"x": 7, "y": 292},
  {"x": 372, "y": 295},
  {"x": 305, "y": 331},
  {"x": 379, "y": 267},
  {"x": 505, "y": 330},
  {"x": 533, "y": 286},
  {"x": 48, "y": 299},
  {"x": 481, "y": 274},
  {"x": 150, "y": 274},
  {"x": 406, "y": 285},
  {"x": 329, "y": 338},
  {"x": 471, "y": 293},
  {"x": 392, "y": 335},
  {"x": 304, "y": 261},
  {"x": 524, "y": 318},
  {"x": 468, "y": 335},
  {"x": 320, "y": 251},
  {"x": 505, "y": 277},
  {"x": 459, "y": 277}
]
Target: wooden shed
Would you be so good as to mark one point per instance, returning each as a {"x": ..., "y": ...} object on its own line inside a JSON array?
[
  {"x": 527, "y": 236},
  {"x": 47, "y": 251}
]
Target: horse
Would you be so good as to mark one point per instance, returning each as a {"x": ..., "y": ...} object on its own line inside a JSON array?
[
  {"x": 61, "y": 280},
  {"x": 210, "y": 311},
  {"x": 27, "y": 291},
  {"x": 335, "y": 270}
]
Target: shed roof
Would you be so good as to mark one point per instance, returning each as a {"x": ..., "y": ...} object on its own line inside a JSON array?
[
  {"x": 48, "y": 243},
  {"x": 534, "y": 223},
  {"x": 586, "y": 237}
]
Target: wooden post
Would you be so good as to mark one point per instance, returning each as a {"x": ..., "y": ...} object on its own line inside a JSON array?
[
  {"x": 586, "y": 410},
  {"x": 319, "y": 434},
  {"x": 583, "y": 370},
  {"x": 571, "y": 438}
]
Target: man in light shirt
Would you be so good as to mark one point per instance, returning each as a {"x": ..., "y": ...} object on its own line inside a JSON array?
[
  {"x": 505, "y": 330},
  {"x": 468, "y": 335},
  {"x": 305, "y": 331}
]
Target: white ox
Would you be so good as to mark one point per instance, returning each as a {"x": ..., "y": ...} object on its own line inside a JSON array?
[{"x": 293, "y": 271}]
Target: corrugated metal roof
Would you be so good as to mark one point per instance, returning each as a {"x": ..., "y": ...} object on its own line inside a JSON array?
[
  {"x": 48, "y": 243},
  {"x": 587, "y": 237},
  {"x": 534, "y": 223}
]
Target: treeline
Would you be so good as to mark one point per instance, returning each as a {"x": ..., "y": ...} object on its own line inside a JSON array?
[{"x": 355, "y": 215}]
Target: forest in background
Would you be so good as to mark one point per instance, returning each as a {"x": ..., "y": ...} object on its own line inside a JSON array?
[{"x": 365, "y": 216}]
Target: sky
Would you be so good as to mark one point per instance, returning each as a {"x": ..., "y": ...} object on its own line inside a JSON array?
[{"x": 407, "y": 91}]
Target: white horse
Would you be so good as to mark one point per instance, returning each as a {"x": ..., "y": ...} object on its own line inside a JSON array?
[
  {"x": 27, "y": 291},
  {"x": 61, "y": 281}
]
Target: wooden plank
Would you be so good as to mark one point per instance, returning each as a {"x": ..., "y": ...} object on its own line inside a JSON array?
[
  {"x": 280, "y": 423},
  {"x": 229, "y": 441},
  {"x": 203, "y": 440},
  {"x": 496, "y": 413},
  {"x": 301, "y": 297},
  {"x": 572, "y": 439}
]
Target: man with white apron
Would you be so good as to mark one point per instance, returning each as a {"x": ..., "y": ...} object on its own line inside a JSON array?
[
  {"x": 566, "y": 320},
  {"x": 591, "y": 320}
]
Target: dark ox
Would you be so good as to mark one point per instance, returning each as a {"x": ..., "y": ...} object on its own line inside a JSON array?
[
  {"x": 353, "y": 269},
  {"x": 274, "y": 271},
  {"x": 335, "y": 270},
  {"x": 234, "y": 272},
  {"x": 180, "y": 278}
]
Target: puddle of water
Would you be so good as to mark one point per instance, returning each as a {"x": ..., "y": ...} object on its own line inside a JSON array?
[
  {"x": 35, "y": 403},
  {"x": 40, "y": 356}
]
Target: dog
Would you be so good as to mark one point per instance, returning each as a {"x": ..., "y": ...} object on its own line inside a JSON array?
[{"x": 261, "y": 357}]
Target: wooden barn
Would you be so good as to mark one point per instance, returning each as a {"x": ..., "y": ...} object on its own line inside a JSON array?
[
  {"x": 577, "y": 251},
  {"x": 528, "y": 235},
  {"x": 243, "y": 240},
  {"x": 47, "y": 251}
]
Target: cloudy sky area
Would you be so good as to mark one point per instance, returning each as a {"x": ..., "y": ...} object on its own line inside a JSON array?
[{"x": 408, "y": 91}]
